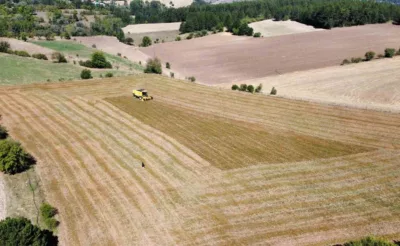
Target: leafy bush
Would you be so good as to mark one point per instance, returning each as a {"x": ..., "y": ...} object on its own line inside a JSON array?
[
  {"x": 13, "y": 158},
  {"x": 67, "y": 36},
  {"x": 99, "y": 60},
  {"x": 109, "y": 75},
  {"x": 3, "y": 132},
  {"x": 146, "y": 41},
  {"x": 20, "y": 231},
  {"x": 259, "y": 88},
  {"x": 4, "y": 46},
  {"x": 167, "y": 65},
  {"x": 40, "y": 56},
  {"x": 153, "y": 66},
  {"x": 129, "y": 41},
  {"x": 191, "y": 79},
  {"x": 370, "y": 241},
  {"x": 24, "y": 37},
  {"x": 273, "y": 91},
  {"x": 47, "y": 211},
  {"x": 356, "y": 59},
  {"x": 235, "y": 87},
  {"x": 389, "y": 52},
  {"x": 58, "y": 57},
  {"x": 86, "y": 63},
  {"x": 86, "y": 74},
  {"x": 250, "y": 88},
  {"x": 172, "y": 74},
  {"x": 243, "y": 87},
  {"x": 345, "y": 62},
  {"x": 257, "y": 35},
  {"x": 119, "y": 54},
  {"x": 190, "y": 36},
  {"x": 22, "y": 53},
  {"x": 369, "y": 55},
  {"x": 94, "y": 46},
  {"x": 178, "y": 38}
]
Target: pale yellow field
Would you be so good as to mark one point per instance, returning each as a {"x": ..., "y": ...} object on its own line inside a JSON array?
[{"x": 222, "y": 167}]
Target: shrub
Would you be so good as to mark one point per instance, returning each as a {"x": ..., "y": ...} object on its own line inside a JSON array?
[
  {"x": 356, "y": 59},
  {"x": 86, "y": 63},
  {"x": 273, "y": 91},
  {"x": 178, "y": 38},
  {"x": 67, "y": 36},
  {"x": 4, "y": 46},
  {"x": 167, "y": 65},
  {"x": 243, "y": 87},
  {"x": 153, "y": 66},
  {"x": 51, "y": 223},
  {"x": 192, "y": 79},
  {"x": 370, "y": 241},
  {"x": 109, "y": 75},
  {"x": 119, "y": 54},
  {"x": 235, "y": 87},
  {"x": 99, "y": 60},
  {"x": 3, "y": 132},
  {"x": 257, "y": 35},
  {"x": 48, "y": 211},
  {"x": 58, "y": 57},
  {"x": 250, "y": 88},
  {"x": 50, "y": 36},
  {"x": 345, "y": 62},
  {"x": 13, "y": 158},
  {"x": 129, "y": 41},
  {"x": 86, "y": 74},
  {"x": 146, "y": 41},
  {"x": 259, "y": 88},
  {"x": 20, "y": 231},
  {"x": 22, "y": 53},
  {"x": 369, "y": 55},
  {"x": 94, "y": 46},
  {"x": 190, "y": 36},
  {"x": 40, "y": 56},
  {"x": 24, "y": 37},
  {"x": 172, "y": 74},
  {"x": 389, "y": 52}
]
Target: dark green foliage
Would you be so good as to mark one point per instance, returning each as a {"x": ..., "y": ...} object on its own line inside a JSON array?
[
  {"x": 109, "y": 75},
  {"x": 129, "y": 41},
  {"x": 257, "y": 35},
  {"x": 146, "y": 41},
  {"x": 178, "y": 38},
  {"x": 345, "y": 62},
  {"x": 99, "y": 60},
  {"x": 22, "y": 53},
  {"x": 39, "y": 56},
  {"x": 192, "y": 79},
  {"x": 66, "y": 35},
  {"x": 235, "y": 87},
  {"x": 167, "y": 65},
  {"x": 58, "y": 57},
  {"x": 20, "y": 231},
  {"x": 250, "y": 88},
  {"x": 356, "y": 59},
  {"x": 389, "y": 52},
  {"x": 153, "y": 66},
  {"x": 87, "y": 63},
  {"x": 47, "y": 213},
  {"x": 24, "y": 37},
  {"x": 4, "y": 46},
  {"x": 259, "y": 88},
  {"x": 190, "y": 36},
  {"x": 86, "y": 74},
  {"x": 3, "y": 132},
  {"x": 273, "y": 91},
  {"x": 370, "y": 241},
  {"x": 369, "y": 55},
  {"x": 243, "y": 87},
  {"x": 13, "y": 158}
]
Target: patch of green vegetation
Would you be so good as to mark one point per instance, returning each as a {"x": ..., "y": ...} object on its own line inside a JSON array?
[{"x": 22, "y": 70}]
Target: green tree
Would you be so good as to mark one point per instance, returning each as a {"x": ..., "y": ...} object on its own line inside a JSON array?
[
  {"x": 146, "y": 41},
  {"x": 257, "y": 35},
  {"x": 99, "y": 60},
  {"x": 259, "y": 88},
  {"x": 4, "y": 46},
  {"x": 13, "y": 158},
  {"x": 153, "y": 66},
  {"x": 20, "y": 231},
  {"x": 129, "y": 41},
  {"x": 235, "y": 87},
  {"x": 250, "y": 88},
  {"x": 167, "y": 65},
  {"x": 273, "y": 91},
  {"x": 370, "y": 241},
  {"x": 58, "y": 57},
  {"x": 3, "y": 132},
  {"x": 243, "y": 87},
  {"x": 86, "y": 74},
  {"x": 369, "y": 55},
  {"x": 47, "y": 213},
  {"x": 389, "y": 52}
]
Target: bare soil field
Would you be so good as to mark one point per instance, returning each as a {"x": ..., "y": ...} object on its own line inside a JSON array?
[
  {"x": 224, "y": 58},
  {"x": 336, "y": 177},
  {"x": 373, "y": 85},
  {"x": 26, "y": 46},
  {"x": 3, "y": 211},
  {"x": 269, "y": 28},
  {"x": 166, "y": 32}
]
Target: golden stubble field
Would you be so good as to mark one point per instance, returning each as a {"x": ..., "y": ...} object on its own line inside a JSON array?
[{"x": 222, "y": 167}]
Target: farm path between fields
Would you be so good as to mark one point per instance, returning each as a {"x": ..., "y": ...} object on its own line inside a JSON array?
[{"x": 3, "y": 211}]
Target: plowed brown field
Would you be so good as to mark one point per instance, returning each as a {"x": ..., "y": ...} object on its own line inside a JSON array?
[
  {"x": 224, "y": 58},
  {"x": 331, "y": 173}
]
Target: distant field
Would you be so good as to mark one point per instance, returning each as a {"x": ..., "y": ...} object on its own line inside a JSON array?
[
  {"x": 270, "y": 28},
  {"x": 330, "y": 173},
  {"x": 21, "y": 70},
  {"x": 224, "y": 58},
  {"x": 160, "y": 31}
]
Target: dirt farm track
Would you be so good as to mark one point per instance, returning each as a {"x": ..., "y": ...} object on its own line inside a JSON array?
[
  {"x": 223, "y": 58},
  {"x": 330, "y": 173}
]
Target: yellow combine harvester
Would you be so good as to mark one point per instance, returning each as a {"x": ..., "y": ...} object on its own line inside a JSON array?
[{"x": 142, "y": 95}]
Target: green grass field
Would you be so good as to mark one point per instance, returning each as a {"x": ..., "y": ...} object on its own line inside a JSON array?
[
  {"x": 22, "y": 70},
  {"x": 84, "y": 52}
]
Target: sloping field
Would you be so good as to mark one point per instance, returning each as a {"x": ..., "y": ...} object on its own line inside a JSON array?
[
  {"x": 336, "y": 176},
  {"x": 26, "y": 46},
  {"x": 373, "y": 85},
  {"x": 2, "y": 199},
  {"x": 269, "y": 28},
  {"x": 224, "y": 58},
  {"x": 160, "y": 31}
]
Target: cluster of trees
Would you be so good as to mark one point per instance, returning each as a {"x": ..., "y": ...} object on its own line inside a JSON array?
[
  {"x": 370, "y": 241},
  {"x": 98, "y": 60},
  {"x": 153, "y": 66},
  {"x": 370, "y": 55},
  {"x": 248, "y": 88},
  {"x": 318, "y": 13}
]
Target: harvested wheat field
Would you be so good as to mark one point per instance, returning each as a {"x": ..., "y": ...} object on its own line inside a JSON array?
[
  {"x": 270, "y": 28},
  {"x": 229, "y": 169},
  {"x": 166, "y": 32},
  {"x": 225, "y": 58},
  {"x": 372, "y": 85}
]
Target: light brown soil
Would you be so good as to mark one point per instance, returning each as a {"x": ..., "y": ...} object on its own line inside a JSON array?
[
  {"x": 90, "y": 153},
  {"x": 224, "y": 58},
  {"x": 3, "y": 211},
  {"x": 28, "y": 47},
  {"x": 270, "y": 28},
  {"x": 157, "y": 27}
]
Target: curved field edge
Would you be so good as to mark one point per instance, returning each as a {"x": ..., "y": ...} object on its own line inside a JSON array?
[{"x": 90, "y": 152}]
